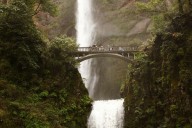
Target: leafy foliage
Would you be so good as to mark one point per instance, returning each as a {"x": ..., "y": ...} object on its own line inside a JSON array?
[
  {"x": 158, "y": 11},
  {"x": 40, "y": 86},
  {"x": 20, "y": 37},
  {"x": 161, "y": 11},
  {"x": 158, "y": 93},
  {"x": 151, "y": 6}
]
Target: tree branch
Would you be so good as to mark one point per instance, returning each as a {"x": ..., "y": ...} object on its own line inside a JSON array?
[{"x": 37, "y": 9}]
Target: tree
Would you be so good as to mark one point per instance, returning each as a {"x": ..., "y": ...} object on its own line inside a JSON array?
[
  {"x": 42, "y": 5},
  {"x": 185, "y": 6},
  {"x": 21, "y": 43},
  {"x": 181, "y": 6},
  {"x": 162, "y": 11},
  {"x": 156, "y": 10},
  {"x": 4, "y": 1}
]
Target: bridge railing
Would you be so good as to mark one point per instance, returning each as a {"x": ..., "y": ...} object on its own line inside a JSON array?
[
  {"x": 113, "y": 48},
  {"x": 84, "y": 49}
]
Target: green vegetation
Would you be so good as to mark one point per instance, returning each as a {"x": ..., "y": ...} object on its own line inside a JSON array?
[
  {"x": 40, "y": 86},
  {"x": 158, "y": 92},
  {"x": 161, "y": 11}
]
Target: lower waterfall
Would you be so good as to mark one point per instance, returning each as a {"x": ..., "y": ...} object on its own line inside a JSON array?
[{"x": 107, "y": 114}]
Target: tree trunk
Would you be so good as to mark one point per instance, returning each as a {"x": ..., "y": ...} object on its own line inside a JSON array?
[
  {"x": 4, "y": 1},
  {"x": 168, "y": 4},
  {"x": 190, "y": 5},
  {"x": 180, "y": 4}
]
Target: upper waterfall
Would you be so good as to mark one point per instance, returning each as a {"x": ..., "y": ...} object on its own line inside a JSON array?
[
  {"x": 85, "y": 27},
  {"x": 85, "y": 23}
]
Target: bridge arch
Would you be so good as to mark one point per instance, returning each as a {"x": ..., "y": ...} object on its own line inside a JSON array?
[{"x": 105, "y": 55}]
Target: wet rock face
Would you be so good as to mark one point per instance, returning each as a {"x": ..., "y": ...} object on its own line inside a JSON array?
[
  {"x": 63, "y": 23},
  {"x": 114, "y": 18},
  {"x": 116, "y": 26},
  {"x": 160, "y": 88}
]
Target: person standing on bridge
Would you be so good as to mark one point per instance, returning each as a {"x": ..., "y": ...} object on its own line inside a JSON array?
[
  {"x": 101, "y": 48},
  {"x": 108, "y": 47},
  {"x": 94, "y": 47},
  {"x": 121, "y": 49}
]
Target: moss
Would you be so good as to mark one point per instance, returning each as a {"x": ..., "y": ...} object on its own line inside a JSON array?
[
  {"x": 51, "y": 107},
  {"x": 158, "y": 92},
  {"x": 40, "y": 86}
]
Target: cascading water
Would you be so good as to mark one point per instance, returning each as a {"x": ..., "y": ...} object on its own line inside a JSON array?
[
  {"x": 85, "y": 24},
  {"x": 85, "y": 37},
  {"x": 105, "y": 114}
]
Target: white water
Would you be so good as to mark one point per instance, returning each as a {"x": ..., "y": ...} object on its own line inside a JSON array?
[
  {"x": 85, "y": 23},
  {"x": 107, "y": 114},
  {"x": 85, "y": 37}
]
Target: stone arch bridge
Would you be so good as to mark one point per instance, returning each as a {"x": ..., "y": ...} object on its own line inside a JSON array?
[{"x": 121, "y": 52}]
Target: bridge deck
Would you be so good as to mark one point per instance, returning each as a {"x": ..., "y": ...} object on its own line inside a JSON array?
[
  {"x": 104, "y": 52},
  {"x": 106, "y": 49},
  {"x": 124, "y": 51}
]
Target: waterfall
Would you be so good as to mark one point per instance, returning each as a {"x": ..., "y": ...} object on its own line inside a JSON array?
[
  {"x": 85, "y": 37},
  {"x": 105, "y": 114},
  {"x": 85, "y": 23}
]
